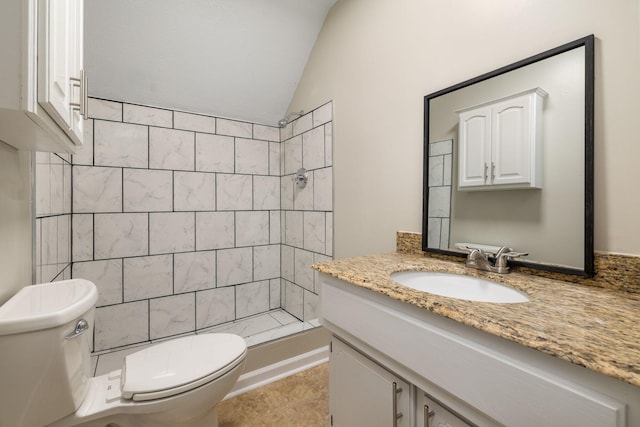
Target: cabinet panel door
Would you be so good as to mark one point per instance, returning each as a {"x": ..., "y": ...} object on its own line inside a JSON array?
[
  {"x": 511, "y": 142},
  {"x": 361, "y": 393},
  {"x": 475, "y": 147}
]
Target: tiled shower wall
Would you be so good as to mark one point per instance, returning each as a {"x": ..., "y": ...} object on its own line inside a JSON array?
[
  {"x": 177, "y": 219},
  {"x": 52, "y": 228},
  {"x": 439, "y": 218}
]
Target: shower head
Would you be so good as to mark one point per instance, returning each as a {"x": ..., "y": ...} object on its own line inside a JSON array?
[{"x": 285, "y": 121}]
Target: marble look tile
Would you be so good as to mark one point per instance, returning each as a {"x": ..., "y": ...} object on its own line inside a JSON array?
[
  {"x": 105, "y": 110},
  {"x": 194, "y": 271},
  {"x": 56, "y": 178},
  {"x": 97, "y": 189},
  {"x": 287, "y": 263},
  {"x": 234, "y": 266},
  {"x": 293, "y": 228},
  {"x": 172, "y": 315},
  {"x": 314, "y": 231},
  {"x": 120, "y": 235},
  {"x": 313, "y": 149},
  {"x": 323, "y": 189},
  {"x": 274, "y": 334},
  {"x": 274, "y": 293},
  {"x": 266, "y": 192},
  {"x": 303, "y": 197},
  {"x": 252, "y": 228},
  {"x": 49, "y": 239},
  {"x": 147, "y": 190},
  {"x": 38, "y": 249},
  {"x": 171, "y": 232},
  {"x": 234, "y": 192},
  {"x": 147, "y": 277},
  {"x": 292, "y": 155},
  {"x": 328, "y": 144},
  {"x": 194, "y": 122},
  {"x": 303, "y": 260},
  {"x": 447, "y": 173},
  {"x": 252, "y": 156},
  {"x": 266, "y": 133},
  {"x": 171, "y": 149},
  {"x": 64, "y": 239},
  {"x": 215, "y": 153},
  {"x": 194, "y": 191},
  {"x": 293, "y": 300},
  {"x": 84, "y": 153},
  {"x": 246, "y": 327},
  {"x": 274, "y": 227},
  {"x": 302, "y": 124},
  {"x": 436, "y": 171},
  {"x": 310, "y": 308},
  {"x": 215, "y": 306},
  {"x": 444, "y": 233},
  {"x": 286, "y": 192},
  {"x": 120, "y": 144},
  {"x": 43, "y": 184},
  {"x": 433, "y": 232},
  {"x": 322, "y": 114},
  {"x": 286, "y": 132},
  {"x": 252, "y": 298},
  {"x": 66, "y": 188},
  {"x": 122, "y": 324},
  {"x": 106, "y": 275},
  {"x": 233, "y": 128},
  {"x": 329, "y": 235},
  {"x": 266, "y": 262},
  {"x": 283, "y": 317},
  {"x": 215, "y": 230},
  {"x": 440, "y": 148},
  {"x": 439, "y": 201},
  {"x": 147, "y": 115},
  {"x": 275, "y": 156}
]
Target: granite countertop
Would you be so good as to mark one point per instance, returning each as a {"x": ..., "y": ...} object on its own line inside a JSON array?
[{"x": 592, "y": 327}]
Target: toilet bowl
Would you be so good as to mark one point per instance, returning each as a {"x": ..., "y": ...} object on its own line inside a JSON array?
[{"x": 45, "y": 333}]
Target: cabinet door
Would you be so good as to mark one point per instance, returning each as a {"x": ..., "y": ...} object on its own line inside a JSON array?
[
  {"x": 474, "y": 134},
  {"x": 59, "y": 68},
  {"x": 511, "y": 141},
  {"x": 363, "y": 394},
  {"x": 432, "y": 414}
]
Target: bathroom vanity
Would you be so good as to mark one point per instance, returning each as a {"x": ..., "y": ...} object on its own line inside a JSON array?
[{"x": 570, "y": 356}]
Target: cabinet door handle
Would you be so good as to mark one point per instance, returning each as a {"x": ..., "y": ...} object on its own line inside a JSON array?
[
  {"x": 83, "y": 102},
  {"x": 493, "y": 171},
  {"x": 396, "y": 415},
  {"x": 486, "y": 169},
  {"x": 427, "y": 415}
]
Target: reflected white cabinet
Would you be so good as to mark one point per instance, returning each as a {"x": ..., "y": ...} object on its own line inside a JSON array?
[
  {"x": 43, "y": 91},
  {"x": 500, "y": 143},
  {"x": 362, "y": 393}
]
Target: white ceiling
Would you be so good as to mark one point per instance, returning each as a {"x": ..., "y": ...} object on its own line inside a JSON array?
[{"x": 240, "y": 59}]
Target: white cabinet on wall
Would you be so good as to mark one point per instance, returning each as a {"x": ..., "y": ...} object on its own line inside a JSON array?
[
  {"x": 43, "y": 90},
  {"x": 500, "y": 143}
]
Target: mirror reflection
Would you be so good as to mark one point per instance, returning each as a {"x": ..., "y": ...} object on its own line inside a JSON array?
[{"x": 510, "y": 161}]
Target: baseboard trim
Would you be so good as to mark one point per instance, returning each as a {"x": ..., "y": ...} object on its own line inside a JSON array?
[{"x": 276, "y": 371}]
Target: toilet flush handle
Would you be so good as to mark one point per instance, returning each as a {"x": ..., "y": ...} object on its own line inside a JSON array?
[{"x": 81, "y": 327}]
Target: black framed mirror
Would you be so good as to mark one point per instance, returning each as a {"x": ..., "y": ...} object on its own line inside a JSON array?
[{"x": 551, "y": 220}]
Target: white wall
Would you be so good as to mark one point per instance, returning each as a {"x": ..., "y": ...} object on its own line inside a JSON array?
[
  {"x": 377, "y": 59},
  {"x": 15, "y": 220}
]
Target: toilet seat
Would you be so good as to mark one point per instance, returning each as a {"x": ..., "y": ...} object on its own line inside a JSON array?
[{"x": 179, "y": 365}]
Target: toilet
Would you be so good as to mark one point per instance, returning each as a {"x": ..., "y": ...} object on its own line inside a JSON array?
[{"x": 45, "y": 368}]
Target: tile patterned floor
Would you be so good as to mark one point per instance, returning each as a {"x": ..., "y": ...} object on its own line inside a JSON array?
[
  {"x": 301, "y": 400},
  {"x": 255, "y": 330}
]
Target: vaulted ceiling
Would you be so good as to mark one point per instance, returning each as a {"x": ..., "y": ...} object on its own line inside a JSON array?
[{"x": 240, "y": 59}]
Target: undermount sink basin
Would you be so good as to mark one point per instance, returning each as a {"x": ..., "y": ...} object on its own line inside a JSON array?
[{"x": 457, "y": 286}]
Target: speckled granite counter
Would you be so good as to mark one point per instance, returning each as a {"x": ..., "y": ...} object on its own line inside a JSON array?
[{"x": 592, "y": 327}]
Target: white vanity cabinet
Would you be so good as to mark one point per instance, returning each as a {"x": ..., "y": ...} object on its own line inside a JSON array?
[
  {"x": 43, "y": 90},
  {"x": 362, "y": 393},
  {"x": 500, "y": 143},
  {"x": 483, "y": 379}
]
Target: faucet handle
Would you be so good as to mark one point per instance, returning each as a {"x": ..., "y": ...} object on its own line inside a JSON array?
[{"x": 512, "y": 254}]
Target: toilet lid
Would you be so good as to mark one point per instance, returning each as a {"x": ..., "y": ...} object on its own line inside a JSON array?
[{"x": 179, "y": 365}]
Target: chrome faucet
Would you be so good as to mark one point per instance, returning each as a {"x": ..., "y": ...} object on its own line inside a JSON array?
[{"x": 480, "y": 260}]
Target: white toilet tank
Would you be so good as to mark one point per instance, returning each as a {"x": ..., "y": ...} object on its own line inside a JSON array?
[{"x": 45, "y": 343}]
